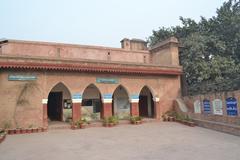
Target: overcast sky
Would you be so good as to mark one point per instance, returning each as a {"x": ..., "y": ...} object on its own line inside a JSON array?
[{"x": 95, "y": 22}]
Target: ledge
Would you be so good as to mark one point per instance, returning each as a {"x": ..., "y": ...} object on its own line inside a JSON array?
[{"x": 86, "y": 66}]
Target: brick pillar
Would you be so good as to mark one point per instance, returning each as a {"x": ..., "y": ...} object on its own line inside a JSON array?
[
  {"x": 107, "y": 108},
  {"x": 45, "y": 115},
  {"x": 134, "y": 108},
  {"x": 134, "y": 99},
  {"x": 76, "y": 109},
  {"x": 157, "y": 108}
]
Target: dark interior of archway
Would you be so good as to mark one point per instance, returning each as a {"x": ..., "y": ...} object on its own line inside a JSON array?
[
  {"x": 54, "y": 108},
  {"x": 143, "y": 106}
]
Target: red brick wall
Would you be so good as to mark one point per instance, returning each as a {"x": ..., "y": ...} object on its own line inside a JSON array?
[{"x": 211, "y": 117}]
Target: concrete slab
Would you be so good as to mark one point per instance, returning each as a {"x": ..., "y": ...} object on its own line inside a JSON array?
[{"x": 150, "y": 141}]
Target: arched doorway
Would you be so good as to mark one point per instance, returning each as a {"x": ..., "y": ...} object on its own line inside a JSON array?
[
  {"x": 146, "y": 104},
  {"x": 121, "y": 105},
  {"x": 59, "y": 106},
  {"x": 91, "y": 103}
]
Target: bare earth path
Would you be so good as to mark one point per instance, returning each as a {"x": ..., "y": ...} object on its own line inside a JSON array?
[{"x": 151, "y": 141}]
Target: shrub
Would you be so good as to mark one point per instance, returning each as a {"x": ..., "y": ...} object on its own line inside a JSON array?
[{"x": 133, "y": 119}]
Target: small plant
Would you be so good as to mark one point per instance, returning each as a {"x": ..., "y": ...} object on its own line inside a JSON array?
[
  {"x": 187, "y": 118},
  {"x": 7, "y": 125},
  {"x": 135, "y": 119},
  {"x": 2, "y": 134},
  {"x": 105, "y": 121},
  {"x": 86, "y": 119},
  {"x": 110, "y": 121},
  {"x": 81, "y": 123},
  {"x": 113, "y": 119}
]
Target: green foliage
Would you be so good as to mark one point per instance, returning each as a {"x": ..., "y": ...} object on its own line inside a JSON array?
[
  {"x": 7, "y": 125},
  {"x": 112, "y": 119},
  {"x": 81, "y": 121},
  {"x": 134, "y": 119},
  {"x": 210, "y": 49}
]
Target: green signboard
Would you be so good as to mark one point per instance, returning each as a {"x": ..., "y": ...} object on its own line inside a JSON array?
[
  {"x": 22, "y": 77},
  {"x": 107, "y": 80}
]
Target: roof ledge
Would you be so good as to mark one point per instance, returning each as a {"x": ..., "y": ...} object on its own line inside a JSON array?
[{"x": 171, "y": 40}]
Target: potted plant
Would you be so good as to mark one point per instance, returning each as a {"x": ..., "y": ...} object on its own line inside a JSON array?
[
  {"x": 35, "y": 130},
  {"x": 74, "y": 125},
  {"x": 2, "y": 134},
  {"x": 113, "y": 120},
  {"x": 23, "y": 130},
  {"x": 136, "y": 119},
  {"x": 11, "y": 131},
  {"x": 165, "y": 117},
  {"x": 18, "y": 130},
  {"x": 110, "y": 121},
  {"x": 105, "y": 122},
  {"x": 7, "y": 125},
  {"x": 29, "y": 129}
]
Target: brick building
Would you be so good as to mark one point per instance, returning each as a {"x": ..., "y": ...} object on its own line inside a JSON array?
[{"x": 42, "y": 82}]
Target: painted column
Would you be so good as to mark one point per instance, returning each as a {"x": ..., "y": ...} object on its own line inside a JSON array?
[
  {"x": 157, "y": 108},
  {"x": 107, "y": 105},
  {"x": 134, "y": 110},
  {"x": 76, "y": 106},
  {"x": 76, "y": 109},
  {"x": 45, "y": 115}
]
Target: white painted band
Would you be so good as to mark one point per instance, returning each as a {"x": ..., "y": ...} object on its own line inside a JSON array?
[
  {"x": 76, "y": 100},
  {"x": 44, "y": 101},
  {"x": 107, "y": 100},
  {"x": 134, "y": 100},
  {"x": 156, "y": 99}
]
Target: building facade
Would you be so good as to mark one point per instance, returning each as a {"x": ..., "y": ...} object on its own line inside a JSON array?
[{"x": 42, "y": 82}]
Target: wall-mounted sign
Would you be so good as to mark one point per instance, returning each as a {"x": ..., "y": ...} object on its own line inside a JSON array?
[
  {"x": 77, "y": 96},
  {"x": 231, "y": 104},
  {"x": 217, "y": 107},
  {"x": 12, "y": 77},
  {"x": 206, "y": 106},
  {"x": 134, "y": 96},
  {"x": 107, "y": 96},
  {"x": 107, "y": 80},
  {"x": 197, "y": 106}
]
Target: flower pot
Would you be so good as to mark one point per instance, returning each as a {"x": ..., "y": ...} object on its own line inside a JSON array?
[
  {"x": 110, "y": 124},
  {"x": 11, "y": 131},
  {"x": 165, "y": 119},
  {"x": 191, "y": 124},
  {"x": 1, "y": 138},
  {"x": 34, "y": 130},
  {"x": 29, "y": 130},
  {"x": 74, "y": 127},
  {"x": 82, "y": 126},
  {"x": 18, "y": 131},
  {"x": 138, "y": 122},
  {"x": 23, "y": 131},
  {"x": 40, "y": 129}
]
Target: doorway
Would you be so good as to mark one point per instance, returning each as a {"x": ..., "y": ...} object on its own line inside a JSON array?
[
  {"x": 55, "y": 108},
  {"x": 146, "y": 104}
]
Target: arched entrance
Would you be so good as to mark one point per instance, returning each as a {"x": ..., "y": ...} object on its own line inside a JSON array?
[
  {"x": 121, "y": 105},
  {"x": 146, "y": 104},
  {"x": 59, "y": 106},
  {"x": 91, "y": 103}
]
